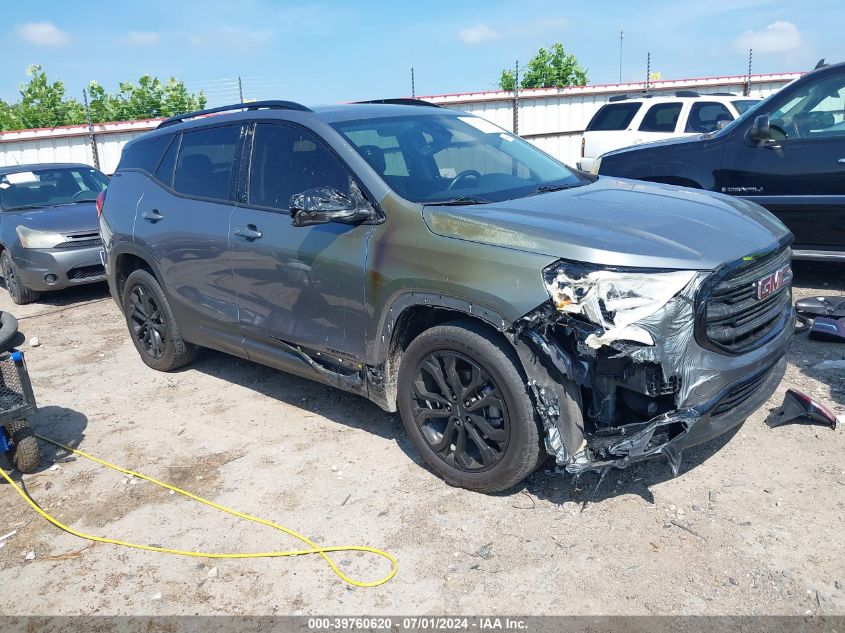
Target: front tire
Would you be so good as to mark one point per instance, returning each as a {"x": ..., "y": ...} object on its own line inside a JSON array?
[
  {"x": 465, "y": 406},
  {"x": 151, "y": 324},
  {"x": 19, "y": 293}
]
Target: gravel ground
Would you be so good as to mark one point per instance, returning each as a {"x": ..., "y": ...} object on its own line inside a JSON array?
[{"x": 753, "y": 525}]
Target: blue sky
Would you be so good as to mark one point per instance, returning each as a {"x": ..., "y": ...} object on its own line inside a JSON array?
[{"x": 319, "y": 52}]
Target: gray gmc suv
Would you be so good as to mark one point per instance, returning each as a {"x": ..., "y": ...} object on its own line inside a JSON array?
[{"x": 507, "y": 306}]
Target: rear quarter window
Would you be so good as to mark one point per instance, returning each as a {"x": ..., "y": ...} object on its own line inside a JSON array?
[
  {"x": 145, "y": 153},
  {"x": 616, "y": 116}
]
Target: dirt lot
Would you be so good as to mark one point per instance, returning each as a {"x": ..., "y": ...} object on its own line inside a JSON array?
[{"x": 753, "y": 525}]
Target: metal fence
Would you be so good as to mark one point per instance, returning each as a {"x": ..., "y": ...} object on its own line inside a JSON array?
[{"x": 551, "y": 118}]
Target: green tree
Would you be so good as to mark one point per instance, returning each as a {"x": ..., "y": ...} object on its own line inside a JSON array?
[
  {"x": 44, "y": 104},
  {"x": 554, "y": 68}
]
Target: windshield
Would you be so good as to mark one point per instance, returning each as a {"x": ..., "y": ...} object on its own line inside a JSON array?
[
  {"x": 436, "y": 158},
  {"x": 30, "y": 189},
  {"x": 742, "y": 105}
]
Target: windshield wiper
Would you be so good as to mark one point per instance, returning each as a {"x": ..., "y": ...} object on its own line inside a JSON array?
[
  {"x": 459, "y": 201},
  {"x": 23, "y": 207},
  {"x": 64, "y": 204},
  {"x": 550, "y": 188}
]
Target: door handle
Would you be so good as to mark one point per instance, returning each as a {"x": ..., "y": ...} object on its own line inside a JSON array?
[
  {"x": 250, "y": 232},
  {"x": 152, "y": 215}
]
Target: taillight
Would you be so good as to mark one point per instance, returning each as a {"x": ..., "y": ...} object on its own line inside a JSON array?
[
  {"x": 583, "y": 142},
  {"x": 101, "y": 198}
]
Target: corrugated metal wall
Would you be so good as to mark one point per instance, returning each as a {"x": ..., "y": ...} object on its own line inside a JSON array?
[{"x": 551, "y": 118}]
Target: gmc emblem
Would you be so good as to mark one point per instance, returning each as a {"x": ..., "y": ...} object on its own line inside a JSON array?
[{"x": 772, "y": 283}]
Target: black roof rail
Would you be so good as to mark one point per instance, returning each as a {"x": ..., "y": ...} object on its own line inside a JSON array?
[
  {"x": 254, "y": 105},
  {"x": 642, "y": 95},
  {"x": 401, "y": 101},
  {"x": 721, "y": 94},
  {"x": 687, "y": 93},
  {"x": 618, "y": 98}
]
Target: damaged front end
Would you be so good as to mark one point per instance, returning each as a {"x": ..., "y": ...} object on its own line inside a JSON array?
[{"x": 627, "y": 364}]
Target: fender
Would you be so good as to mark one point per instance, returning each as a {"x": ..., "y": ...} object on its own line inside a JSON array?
[{"x": 379, "y": 348}]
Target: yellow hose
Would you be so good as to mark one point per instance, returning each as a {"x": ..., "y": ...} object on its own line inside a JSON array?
[{"x": 313, "y": 547}]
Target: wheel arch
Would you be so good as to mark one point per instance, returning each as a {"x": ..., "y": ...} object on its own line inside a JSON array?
[{"x": 408, "y": 317}]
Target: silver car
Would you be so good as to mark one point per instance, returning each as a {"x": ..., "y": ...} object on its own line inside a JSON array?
[{"x": 49, "y": 233}]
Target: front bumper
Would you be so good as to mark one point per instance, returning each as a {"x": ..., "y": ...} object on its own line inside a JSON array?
[{"x": 69, "y": 266}]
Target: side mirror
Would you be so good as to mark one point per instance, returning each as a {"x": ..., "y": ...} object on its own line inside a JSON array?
[
  {"x": 325, "y": 204},
  {"x": 759, "y": 131}
]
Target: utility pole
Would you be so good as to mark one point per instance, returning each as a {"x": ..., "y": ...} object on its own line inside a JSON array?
[
  {"x": 94, "y": 151},
  {"x": 240, "y": 89},
  {"x": 413, "y": 87},
  {"x": 621, "y": 36},
  {"x": 516, "y": 97},
  {"x": 747, "y": 91}
]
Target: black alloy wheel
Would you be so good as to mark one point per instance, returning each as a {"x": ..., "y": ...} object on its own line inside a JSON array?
[
  {"x": 460, "y": 411},
  {"x": 147, "y": 321}
]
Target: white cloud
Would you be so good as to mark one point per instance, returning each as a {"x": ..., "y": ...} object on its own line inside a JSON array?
[
  {"x": 141, "y": 38},
  {"x": 42, "y": 34},
  {"x": 778, "y": 37},
  {"x": 477, "y": 34}
]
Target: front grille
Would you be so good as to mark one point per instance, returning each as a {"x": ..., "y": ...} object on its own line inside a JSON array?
[
  {"x": 741, "y": 393},
  {"x": 16, "y": 399},
  {"x": 735, "y": 320},
  {"x": 95, "y": 241},
  {"x": 86, "y": 272}
]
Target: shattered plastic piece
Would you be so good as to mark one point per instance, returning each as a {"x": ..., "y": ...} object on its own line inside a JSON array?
[
  {"x": 826, "y": 329},
  {"x": 821, "y": 306},
  {"x": 799, "y": 407}
]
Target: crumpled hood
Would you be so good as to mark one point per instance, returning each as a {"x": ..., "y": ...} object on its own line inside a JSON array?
[
  {"x": 71, "y": 218},
  {"x": 618, "y": 222}
]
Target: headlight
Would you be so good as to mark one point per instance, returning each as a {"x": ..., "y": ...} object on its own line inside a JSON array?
[
  {"x": 596, "y": 166},
  {"x": 30, "y": 238},
  {"x": 614, "y": 300}
]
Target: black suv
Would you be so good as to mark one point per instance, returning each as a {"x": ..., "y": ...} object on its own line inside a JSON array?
[
  {"x": 787, "y": 153},
  {"x": 509, "y": 307}
]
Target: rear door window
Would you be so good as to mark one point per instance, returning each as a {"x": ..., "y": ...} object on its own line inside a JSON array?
[
  {"x": 661, "y": 117},
  {"x": 204, "y": 164},
  {"x": 615, "y": 116},
  {"x": 704, "y": 116}
]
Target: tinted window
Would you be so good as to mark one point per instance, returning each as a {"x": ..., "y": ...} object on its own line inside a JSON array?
[
  {"x": 617, "y": 116},
  {"x": 287, "y": 161},
  {"x": 165, "y": 168},
  {"x": 204, "y": 166},
  {"x": 704, "y": 116},
  {"x": 144, "y": 154},
  {"x": 816, "y": 110},
  {"x": 662, "y": 117}
]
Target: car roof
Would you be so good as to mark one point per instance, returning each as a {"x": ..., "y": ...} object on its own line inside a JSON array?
[
  {"x": 674, "y": 99},
  {"x": 324, "y": 113},
  {"x": 11, "y": 169}
]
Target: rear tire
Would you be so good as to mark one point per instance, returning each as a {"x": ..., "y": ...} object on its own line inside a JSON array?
[
  {"x": 24, "y": 454},
  {"x": 501, "y": 442},
  {"x": 19, "y": 293},
  {"x": 151, "y": 324}
]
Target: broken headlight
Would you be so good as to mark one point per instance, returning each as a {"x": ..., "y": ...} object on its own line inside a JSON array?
[{"x": 614, "y": 299}]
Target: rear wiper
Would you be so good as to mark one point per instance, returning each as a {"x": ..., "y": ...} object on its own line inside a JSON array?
[
  {"x": 23, "y": 207},
  {"x": 460, "y": 200}
]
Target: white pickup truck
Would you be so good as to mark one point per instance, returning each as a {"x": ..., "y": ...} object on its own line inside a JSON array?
[{"x": 631, "y": 120}]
